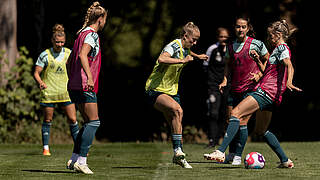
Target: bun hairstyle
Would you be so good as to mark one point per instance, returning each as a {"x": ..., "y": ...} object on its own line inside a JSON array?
[
  {"x": 189, "y": 28},
  {"x": 93, "y": 13},
  {"x": 58, "y": 30},
  {"x": 282, "y": 27}
]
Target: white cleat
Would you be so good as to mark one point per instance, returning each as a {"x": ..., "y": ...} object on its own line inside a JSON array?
[
  {"x": 215, "y": 155},
  {"x": 288, "y": 164},
  {"x": 179, "y": 158},
  {"x": 82, "y": 168},
  {"x": 236, "y": 161}
]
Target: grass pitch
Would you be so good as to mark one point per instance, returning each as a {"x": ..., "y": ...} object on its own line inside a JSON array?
[{"x": 153, "y": 161}]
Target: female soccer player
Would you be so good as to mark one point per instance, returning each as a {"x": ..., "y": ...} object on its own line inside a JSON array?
[
  {"x": 83, "y": 71},
  {"x": 277, "y": 77},
  {"x": 245, "y": 73},
  {"x": 51, "y": 65},
  {"x": 162, "y": 85}
]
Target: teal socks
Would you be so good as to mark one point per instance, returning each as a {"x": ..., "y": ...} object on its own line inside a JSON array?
[
  {"x": 243, "y": 136},
  {"x": 89, "y": 132},
  {"x": 232, "y": 130},
  {"x": 273, "y": 142},
  {"x": 45, "y": 131},
  {"x": 74, "y": 130},
  {"x": 177, "y": 141}
]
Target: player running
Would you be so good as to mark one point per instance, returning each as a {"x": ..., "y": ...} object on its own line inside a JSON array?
[
  {"x": 162, "y": 85},
  {"x": 51, "y": 75},
  {"x": 277, "y": 77}
]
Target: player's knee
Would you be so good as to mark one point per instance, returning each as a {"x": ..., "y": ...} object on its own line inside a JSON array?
[
  {"x": 177, "y": 111},
  {"x": 235, "y": 113}
]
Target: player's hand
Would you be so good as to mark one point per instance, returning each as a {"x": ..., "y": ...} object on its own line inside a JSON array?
[
  {"x": 42, "y": 86},
  {"x": 254, "y": 55},
  {"x": 90, "y": 84},
  {"x": 187, "y": 59},
  {"x": 255, "y": 77},
  {"x": 291, "y": 87},
  {"x": 222, "y": 86},
  {"x": 203, "y": 57}
]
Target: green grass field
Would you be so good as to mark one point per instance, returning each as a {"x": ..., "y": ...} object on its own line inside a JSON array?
[{"x": 152, "y": 161}]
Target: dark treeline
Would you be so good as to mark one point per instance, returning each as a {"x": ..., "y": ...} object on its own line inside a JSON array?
[{"x": 135, "y": 33}]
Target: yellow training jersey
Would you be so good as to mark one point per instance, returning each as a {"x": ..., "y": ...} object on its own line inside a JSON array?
[
  {"x": 56, "y": 78},
  {"x": 165, "y": 77}
]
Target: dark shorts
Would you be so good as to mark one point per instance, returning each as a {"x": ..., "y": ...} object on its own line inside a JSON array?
[
  {"x": 152, "y": 96},
  {"x": 54, "y": 104},
  {"x": 264, "y": 100},
  {"x": 235, "y": 98},
  {"x": 80, "y": 97}
]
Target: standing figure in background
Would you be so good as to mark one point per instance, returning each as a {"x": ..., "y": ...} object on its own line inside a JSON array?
[
  {"x": 217, "y": 100},
  {"x": 51, "y": 75}
]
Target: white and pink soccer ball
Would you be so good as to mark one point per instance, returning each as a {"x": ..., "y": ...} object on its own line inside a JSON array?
[{"x": 254, "y": 160}]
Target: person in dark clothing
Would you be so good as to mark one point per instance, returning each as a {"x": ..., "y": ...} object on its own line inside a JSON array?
[{"x": 216, "y": 101}]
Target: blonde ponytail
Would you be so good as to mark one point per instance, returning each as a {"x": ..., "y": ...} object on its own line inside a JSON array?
[{"x": 93, "y": 13}]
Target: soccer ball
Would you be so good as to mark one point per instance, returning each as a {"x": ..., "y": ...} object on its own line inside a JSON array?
[{"x": 254, "y": 160}]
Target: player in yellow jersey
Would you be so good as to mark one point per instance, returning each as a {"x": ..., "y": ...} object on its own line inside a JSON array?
[
  {"x": 51, "y": 75},
  {"x": 162, "y": 85}
]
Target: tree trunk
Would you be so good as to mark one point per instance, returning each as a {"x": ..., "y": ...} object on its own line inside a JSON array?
[{"x": 8, "y": 36}]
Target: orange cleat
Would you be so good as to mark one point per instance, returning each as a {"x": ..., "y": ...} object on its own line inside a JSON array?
[{"x": 46, "y": 152}]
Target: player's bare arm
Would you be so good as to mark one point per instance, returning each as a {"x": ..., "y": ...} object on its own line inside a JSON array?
[{"x": 166, "y": 58}]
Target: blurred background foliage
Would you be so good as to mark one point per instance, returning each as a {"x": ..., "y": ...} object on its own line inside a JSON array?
[{"x": 135, "y": 33}]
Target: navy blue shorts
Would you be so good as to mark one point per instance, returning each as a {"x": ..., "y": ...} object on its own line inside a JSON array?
[
  {"x": 54, "y": 104},
  {"x": 80, "y": 97},
  {"x": 264, "y": 100},
  {"x": 152, "y": 96}
]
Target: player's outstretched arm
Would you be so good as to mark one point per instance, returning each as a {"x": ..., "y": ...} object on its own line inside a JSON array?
[
  {"x": 199, "y": 56},
  {"x": 288, "y": 64}
]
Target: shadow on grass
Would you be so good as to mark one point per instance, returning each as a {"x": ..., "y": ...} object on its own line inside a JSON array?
[
  {"x": 223, "y": 167},
  {"x": 132, "y": 167},
  {"x": 206, "y": 162},
  {"x": 48, "y": 171},
  {"x": 202, "y": 162}
]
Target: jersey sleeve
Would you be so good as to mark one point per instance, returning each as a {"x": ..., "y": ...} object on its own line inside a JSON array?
[
  {"x": 91, "y": 39},
  {"x": 169, "y": 49},
  {"x": 284, "y": 53},
  {"x": 259, "y": 46},
  {"x": 42, "y": 60}
]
